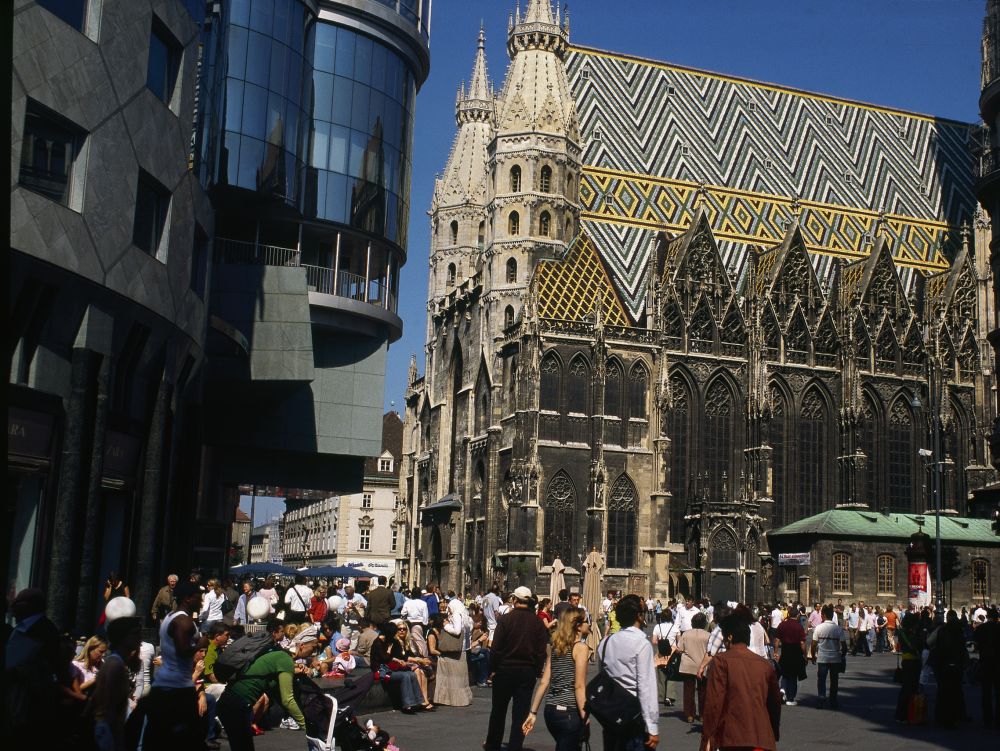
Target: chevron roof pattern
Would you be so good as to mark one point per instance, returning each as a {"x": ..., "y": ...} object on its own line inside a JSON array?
[
  {"x": 662, "y": 139},
  {"x": 566, "y": 289}
]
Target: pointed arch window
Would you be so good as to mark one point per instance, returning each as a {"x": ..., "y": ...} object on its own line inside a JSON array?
[
  {"x": 481, "y": 236},
  {"x": 483, "y": 404},
  {"x": 637, "y": 391},
  {"x": 613, "y": 377},
  {"x": 955, "y": 448},
  {"x": 902, "y": 456},
  {"x": 623, "y": 511},
  {"x": 578, "y": 386},
  {"x": 812, "y": 455},
  {"x": 777, "y": 438},
  {"x": 451, "y": 274},
  {"x": 545, "y": 179},
  {"x": 560, "y": 518},
  {"x": 515, "y": 179},
  {"x": 679, "y": 432},
  {"x": 868, "y": 444},
  {"x": 717, "y": 439},
  {"x": 514, "y": 223},
  {"x": 511, "y": 273},
  {"x": 550, "y": 383},
  {"x": 454, "y": 233},
  {"x": 544, "y": 224},
  {"x": 508, "y": 317}
]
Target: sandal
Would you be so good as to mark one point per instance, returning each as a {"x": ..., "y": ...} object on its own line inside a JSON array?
[{"x": 428, "y": 707}]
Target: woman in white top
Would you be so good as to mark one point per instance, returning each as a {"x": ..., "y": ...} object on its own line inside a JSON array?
[
  {"x": 89, "y": 660},
  {"x": 269, "y": 593},
  {"x": 758, "y": 639},
  {"x": 211, "y": 603},
  {"x": 665, "y": 634}
]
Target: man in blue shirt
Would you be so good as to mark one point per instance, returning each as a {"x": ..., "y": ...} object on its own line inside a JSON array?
[{"x": 431, "y": 598}]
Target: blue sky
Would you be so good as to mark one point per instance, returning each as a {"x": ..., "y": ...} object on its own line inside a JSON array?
[{"x": 919, "y": 55}]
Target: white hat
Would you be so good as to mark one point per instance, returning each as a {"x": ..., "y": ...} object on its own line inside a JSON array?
[{"x": 522, "y": 593}]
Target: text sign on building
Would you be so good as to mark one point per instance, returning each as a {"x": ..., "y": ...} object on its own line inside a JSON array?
[{"x": 794, "y": 559}]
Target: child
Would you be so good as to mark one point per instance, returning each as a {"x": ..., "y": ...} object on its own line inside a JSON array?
[
  {"x": 291, "y": 631},
  {"x": 343, "y": 663}
]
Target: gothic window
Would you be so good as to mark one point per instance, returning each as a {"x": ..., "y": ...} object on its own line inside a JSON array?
[
  {"x": 679, "y": 432},
  {"x": 454, "y": 233},
  {"x": 623, "y": 510},
  {"x": 701, "y": 336},
  {"x": 638, "y": 378},
  {"x": 569, "y": 229},
  {"x": 772, "y": 335},
  {"x": 886, "y": 350},
  {"x": 812, "y": 455},
  {"x": 717, "y": 438},
  {"x": 508, "y": 317},
  {"x": 451, "y": 274},
  {"x": 560, "y": 512},
  {"x": 980, "y": 579},
  {"x": 862, "y": 345},
  {"x": 550, "y": 383},
  {"x": 544, "y": 220},
  {"x": 825, "y": 343},
  {"x": 483, "y": 406},
  {"x": 578, "y": 386},
  {"x": 955, "y": 438},
  {"x": 545, "y": 180},
  {"x": 513, "y": 223},
  {"x": 777, "y": 440},
  {"x": 968, "y": 358},
  {"x": 481, "y": 237},
  {"x": 797, "y": 338},
  {"x": 723, "y": 551},
  {"x": 902, "y": 455},
  {"x": 841, "y": 572},
  {"x": 867, "y": 430},
  {"x": 512, "y": 388},
  {"x": 613, "y": 378},
  {"x": 733, "y": 333},
  {"x": 886, "y": 575},
  {"x": 673, "y": 322},
  {"x": 511, "y": 271},
  {"x": 515, "y": 179}
]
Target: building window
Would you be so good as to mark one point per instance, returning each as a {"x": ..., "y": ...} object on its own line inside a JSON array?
[
  {"x": 50, "y": 146},
  {"x": 866, "y": 427},
  {"x": 717, "y": 439},
  {"x": 980, "y": 579},
  {"x": 637, "y": 392},
  {"x": 151, "y": 204},
  {"x": 560, "y": 515},
  {"x": 72, "y": 12},
  {"x": 385, "y": 465},
  {"x": 511, "y": 271},
  {"x": 508, "y": 317},
  {"x": 514, "y": 223},
  {"x": 451, "y": 274},
  {"x": 395, "y": 538},
  {"x": 902, "y": 454},
  {"x": 578, "y": 386},
  {"x": 886, "y": 574},
  {"x": 623, "y": 511},
  {"x": 776, "y": 439},
  {"x": 841, "y": 572},
  {"x": 679, "y": 432},
  {"x": 544, "y": 224},
  {"x": 164, "y": 61},
  {"x": 199, "y": 262},
  {"x": 545, "y": 180},
  {"x": 365, "y": 539},
  {"x": 481, "y": 238},
  {"x": 454, "y": 233},
  {"x": 812, "y": 455},
  {"x": 515, "y": 179},
  {"x": 366, "y": 500},
  {"x": 551, "y": 381}
]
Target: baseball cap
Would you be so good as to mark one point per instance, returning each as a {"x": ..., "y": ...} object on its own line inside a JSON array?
[{"x": 522, "y": 593}]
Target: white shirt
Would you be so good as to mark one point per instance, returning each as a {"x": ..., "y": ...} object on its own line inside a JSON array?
[
  {"x": 211, "y": 606},
  {"x": 297, "y": 598},
  {"x": 869, "y": 620},
  {"x": 491, "y": 604},
  {"x": 415, "y": 611},
  {"x": 628, "y": 658},
  {"x": 776, "y": 618},
  {"x": 605, "y": 605},
  {"x": 668, "y": 631},
  {"x": 828, "y": 637},
  {"x": 684, "y": 616},
  {"x": 758, "y": 639}
]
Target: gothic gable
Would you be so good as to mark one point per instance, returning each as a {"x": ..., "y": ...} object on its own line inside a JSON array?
[
  {"x": 881, "y": 290},
  {"x": 696, "y": 259},
  {"x": 791, "y": 276}
]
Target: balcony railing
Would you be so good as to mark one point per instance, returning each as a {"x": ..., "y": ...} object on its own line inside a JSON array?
[
  {"x": 989, "y": 162},
  {"x": 318, "y": 278}
]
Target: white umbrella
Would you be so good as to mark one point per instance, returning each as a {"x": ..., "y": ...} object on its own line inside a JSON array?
[
  {"x": 557, "y": 580},
  {"x": 593, "y": 568}
]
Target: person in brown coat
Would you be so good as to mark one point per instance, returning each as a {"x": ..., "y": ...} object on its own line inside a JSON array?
[
  {"x": 743, "y": 702},
  {"x": 381, "y": 601}
]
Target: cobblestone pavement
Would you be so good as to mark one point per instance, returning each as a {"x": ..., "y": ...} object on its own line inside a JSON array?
[{"x": 867, "y": 702}]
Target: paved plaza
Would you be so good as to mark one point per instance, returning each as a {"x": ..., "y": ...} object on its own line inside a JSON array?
[{"x": 867, "y": 699}]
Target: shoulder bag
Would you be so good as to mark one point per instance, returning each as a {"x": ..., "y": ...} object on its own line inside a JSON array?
[{"x": 609, "y": 702}]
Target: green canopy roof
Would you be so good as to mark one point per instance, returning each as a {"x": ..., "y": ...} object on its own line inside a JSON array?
[{"x": 861, "y": 523}]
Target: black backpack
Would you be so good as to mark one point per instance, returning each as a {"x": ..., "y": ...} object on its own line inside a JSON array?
[
  {"x": 612, "y": 704},
  {"x": 239, "y": 655}
]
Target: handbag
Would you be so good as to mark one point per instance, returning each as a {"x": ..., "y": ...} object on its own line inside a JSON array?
[
  {"x": 448, "y": 643},
  {"x": 673, "y": 667},
  {"x": 614, "y": 707}
]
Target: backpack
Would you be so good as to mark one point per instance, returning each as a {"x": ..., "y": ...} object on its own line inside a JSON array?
[
  {"x": 615, "y": 707},
  {"x": 239, "y": 655}
]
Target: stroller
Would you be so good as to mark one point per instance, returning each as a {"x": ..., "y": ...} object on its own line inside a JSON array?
[{"x": 330, "y": 720}]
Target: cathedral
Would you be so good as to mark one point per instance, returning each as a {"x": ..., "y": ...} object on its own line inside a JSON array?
[{"x": 671, "y": 312}]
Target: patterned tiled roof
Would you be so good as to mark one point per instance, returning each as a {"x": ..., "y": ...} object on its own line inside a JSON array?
[
  {"x": 567, "y": 288},
  {"x": 855, "y": 523}
]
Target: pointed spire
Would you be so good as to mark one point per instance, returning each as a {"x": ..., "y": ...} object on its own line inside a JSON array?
[
  {"x": 539, "y": 11},
  {"x": 479, "y": 82},
  {"x": 412, "y": 375}
]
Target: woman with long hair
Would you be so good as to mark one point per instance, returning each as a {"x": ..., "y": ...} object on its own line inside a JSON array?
[
  {"x": 211, "y": 603},
  {"x": 88, "y": 662},
  {"x": 392, "y": 665},
  {"x": 564, "y": 682}
]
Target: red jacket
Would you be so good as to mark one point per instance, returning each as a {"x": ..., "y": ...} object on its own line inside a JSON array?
[{"x": 742, "y": 701}]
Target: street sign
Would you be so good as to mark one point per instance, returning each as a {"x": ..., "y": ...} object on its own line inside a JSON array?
[{"x": 794, "y": 559}]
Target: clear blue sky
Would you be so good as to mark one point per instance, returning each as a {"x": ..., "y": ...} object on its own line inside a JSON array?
[{"x": 920, "y": 55}]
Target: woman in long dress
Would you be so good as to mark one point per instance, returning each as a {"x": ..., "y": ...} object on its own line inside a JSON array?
[{"x": 452, "y": 685}]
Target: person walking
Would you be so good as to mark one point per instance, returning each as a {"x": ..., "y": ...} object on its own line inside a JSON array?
[
  {"x": 692, "y": 646},
  {"x": 866, "y": 622},
  {"x": 627, "y": 657},
  {"x": 911, "y": 647},
  {"x": 298, "y": 600},
  {"x": 665, "y": 634},
  {"x": 491, "y": 609},
  {"x": 414, "y": 613},
  {"x": 211, "y": 604},
  {"x": 563, "y": 685},
  {"x": 987, "y": 640},
  {"x": 517, "y": 657},
  {"x": 948, "y": 659},
  {"x": 829, "y": 648},
  {"x": 742, "y": 699},
  {"x": 164, "y": 603},
  {"x": 240, "y": 617},
  {"x": 790, "y": 652}
]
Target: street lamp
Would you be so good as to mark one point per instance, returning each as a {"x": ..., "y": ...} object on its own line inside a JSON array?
[{"x": 933, "y": 464}]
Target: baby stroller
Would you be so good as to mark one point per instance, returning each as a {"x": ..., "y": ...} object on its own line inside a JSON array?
[{"x": 330, "y": 721}]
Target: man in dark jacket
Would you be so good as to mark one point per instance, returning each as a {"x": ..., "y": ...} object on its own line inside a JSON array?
[
  {"x": 987, "y": 639},
  {"x": 381, "y": 601},
  {"x": 516, "y": 660}
]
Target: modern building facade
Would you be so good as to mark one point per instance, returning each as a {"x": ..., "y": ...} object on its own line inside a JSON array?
[
  {"x": 107, "y": 302},
  {"x": 310, "y": 532},
  {"x": 671, "y": 310},
  {"x": 307, "y": 111}
]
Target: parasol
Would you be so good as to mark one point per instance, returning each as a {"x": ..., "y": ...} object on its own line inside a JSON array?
[
  {"x": 557, "y": 580},
  {"x": 593, "y": 570}
]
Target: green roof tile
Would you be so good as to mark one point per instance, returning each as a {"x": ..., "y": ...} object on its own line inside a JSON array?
[{"x": 860, "y": 523}]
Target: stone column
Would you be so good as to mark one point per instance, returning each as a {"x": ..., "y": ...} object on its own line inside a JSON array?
[{"x": 73, "y": 466}]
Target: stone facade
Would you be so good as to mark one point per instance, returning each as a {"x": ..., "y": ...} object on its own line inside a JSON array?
[{"x": 669, "y": 392}]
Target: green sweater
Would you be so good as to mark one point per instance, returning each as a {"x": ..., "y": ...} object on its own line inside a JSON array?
[{"x": 267, "y": 674}]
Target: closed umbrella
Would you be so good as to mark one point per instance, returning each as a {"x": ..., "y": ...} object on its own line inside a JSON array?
[
  {"x": 557, "y": 581},
  {"x": 593, "y": 571}
]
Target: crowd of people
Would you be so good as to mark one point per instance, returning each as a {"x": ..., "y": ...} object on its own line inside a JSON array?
[{"x": 240, "y": 658}]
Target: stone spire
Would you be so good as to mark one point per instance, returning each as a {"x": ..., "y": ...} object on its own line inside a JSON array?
[
  {"x": 539, "y": 11},
  {"x": 478, "y": 102}
]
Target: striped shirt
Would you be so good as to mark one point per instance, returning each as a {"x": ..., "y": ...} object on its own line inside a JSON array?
[{"x": 561, "y": 680}]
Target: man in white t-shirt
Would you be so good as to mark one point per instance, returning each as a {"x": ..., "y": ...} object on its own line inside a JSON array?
[
  {"x": 829, "y": 644},
  {"x": 685, "y": 612},
  {"x": 298, "y": 598},
  {"x": 777, "y": 616}
]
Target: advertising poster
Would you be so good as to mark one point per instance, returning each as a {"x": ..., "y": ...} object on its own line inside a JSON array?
[{"x": 919, "y": 584}]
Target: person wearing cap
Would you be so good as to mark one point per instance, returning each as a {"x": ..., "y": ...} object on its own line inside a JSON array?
[
  {"x": 517, "y": 658},
  {"x": 109, "y": 701},
  {"x": 271, "y": 673}
]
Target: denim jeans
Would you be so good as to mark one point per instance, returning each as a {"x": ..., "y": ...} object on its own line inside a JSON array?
[
  {"x": 566, "y": 727},
  {"x": 833, "y": 670},
  {"x": 628, "y": 741},
  {"x": 791, "y": 685},
  {"x": 511, "y": 686},
  {"x": 480, "y": 663}
]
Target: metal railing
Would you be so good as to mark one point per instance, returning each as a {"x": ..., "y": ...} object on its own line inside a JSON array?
[
  {"x": 989, "y": 162},
  {"x": 239, "y": 252}
]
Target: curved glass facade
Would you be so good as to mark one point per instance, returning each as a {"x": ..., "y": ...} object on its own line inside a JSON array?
[{"x": 358, "y": 169}]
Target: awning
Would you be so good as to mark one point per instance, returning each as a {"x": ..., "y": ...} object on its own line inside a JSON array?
[{"x": 450, "y": 502}]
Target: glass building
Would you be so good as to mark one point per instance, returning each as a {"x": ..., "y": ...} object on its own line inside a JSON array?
[{"x": 305, "y": 147}]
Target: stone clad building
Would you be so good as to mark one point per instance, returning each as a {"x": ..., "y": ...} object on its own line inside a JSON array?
[{"x": 671, "y": 310}]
